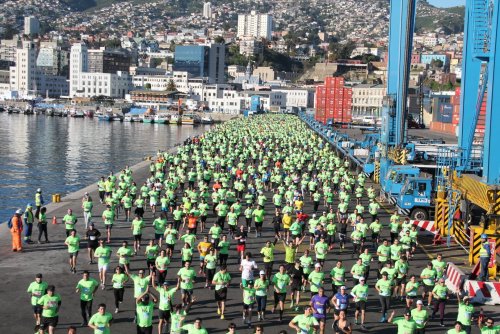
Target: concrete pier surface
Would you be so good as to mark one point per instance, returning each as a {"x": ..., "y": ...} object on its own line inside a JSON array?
[{"x": 19, "y": 269}]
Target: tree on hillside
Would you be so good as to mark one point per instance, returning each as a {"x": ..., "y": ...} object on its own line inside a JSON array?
[{"x": 171, "y": 86}]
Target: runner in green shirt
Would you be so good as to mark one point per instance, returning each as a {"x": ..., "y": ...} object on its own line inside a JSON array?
[
  {"x": 428, "y": 277},
  {"x": 159, "y": 225},
  {"x": 165, "y": 303},
  {"x": 360, "y": 294},
  {"x": 440, "y": 294},
  {"x": 86, "y": 287},
  {"x": 490, "y": 328},
  {"x": 101, "y": 321},
  {"x": 406, "y": 325},
  {"x": 195, "y": 328},
  {"x": 316, "y": 279},
  {"x": 103, "y": 255},
  {"x": 73, "y": 243},
  {"x": 261, "y": 286},
  {"x": 305, "y": 323},
  {"x": 221, "y": 280},
  {"x": 384, "y": 287},
  {"x": 420, "y": 316},
  {"x": 69, "y": 220},
  {"x": 50, "y": 304},
  {"x": 144, "y": 312},
  {"x": 125, "y": 253},
  {"x": 37, "y": 289},
  {"x": 411, "y": 289},
  {"x": 108, "y": 216},
  {"x": 280, "y": 280},
  {"x": 457, "y": 329},
  {"x": 249, "y": 299},
  {"x": 465, "y": 312},
  {"x": 136, "y": 227},
  {"x": 185, "y": 281}
]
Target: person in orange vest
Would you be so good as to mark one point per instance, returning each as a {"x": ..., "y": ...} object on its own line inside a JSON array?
[{"x": 16, "y": 229}]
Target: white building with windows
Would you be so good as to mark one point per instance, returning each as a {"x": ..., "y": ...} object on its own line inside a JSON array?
[
  {"x": 31, "y": 25},
  {"x": 86, "y": 84},
  {"x": 297, "y": 97},
  {"x": 255, "y": 25},
  {"x": 28, "y": 81},
  {"x": 367, "y": 99},
  {"x": 207, "y": 10}
]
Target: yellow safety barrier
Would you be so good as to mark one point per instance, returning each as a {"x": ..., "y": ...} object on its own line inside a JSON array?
[
  {"x": 441, "y": 216},
  {"x": 475, "y": 244},
  {"x": 459, "y": 231},
  {"x": 376, "y": 173},
  {"x": 56, "y": 198}
]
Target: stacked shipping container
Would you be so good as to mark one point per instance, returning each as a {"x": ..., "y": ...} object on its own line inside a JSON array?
[
  {"x": 333, "y": 101},
  {"x": 442, "y": 122}
]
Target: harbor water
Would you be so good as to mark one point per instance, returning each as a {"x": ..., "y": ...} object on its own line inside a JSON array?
[{"x": 62, "y": 155}]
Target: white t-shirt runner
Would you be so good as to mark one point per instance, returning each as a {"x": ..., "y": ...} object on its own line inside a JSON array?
[{"x": 247, "y": 269}]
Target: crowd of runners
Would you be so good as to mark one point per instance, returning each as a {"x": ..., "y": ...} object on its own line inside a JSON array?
[{"x": 268, "y": 181}]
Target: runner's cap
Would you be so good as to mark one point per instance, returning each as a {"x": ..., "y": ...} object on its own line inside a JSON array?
[
  {"x": 19, "y": 211},
  {"x": 484, "y": 236},
  {"x": 419, "y": 302},
  {"x": 317, "y": 265},
  {"x": 262, "y": 272}
]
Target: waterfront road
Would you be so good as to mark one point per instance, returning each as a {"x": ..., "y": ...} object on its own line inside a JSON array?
[{"x": 19, "y": 269}]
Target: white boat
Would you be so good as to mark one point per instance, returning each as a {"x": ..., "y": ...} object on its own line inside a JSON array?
[
  {"x": 128, "y": 118},
  {"x": 174, "y": 119},
  {"x": 161, "y": 118},
  {"x": 206, "y": 120},
  {"x": 77, "y": 114},
  {"x": 147, "y": 118},
  {"x": 187, "y": 120}
]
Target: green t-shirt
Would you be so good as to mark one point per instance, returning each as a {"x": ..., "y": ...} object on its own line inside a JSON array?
[
  {"x": 186, "y": 254},
  {"x": 152, "y": 252},
  {"x": 73, "y": 243},
  {"x": 70, "y": 221},
  {"x": 224, "y": 247},
  {"x": 103, "y": 253},
  {"x": 492, "y": 330},
  {"x": 192, "y": 330},
  {"x": 221, "y": 280},
  {"x": 441, "y": 291},
  {"x": 453, "y": 331},
  {"x": 261, "y": 287},
  {"x": 412, "y": 288},
  {"x": 405, "y": 326},
  {"x": 385, "y": 287},
  {"x": 360, "y": 292},
  {"x": 431, "y": 276},
  {"x": 87, "y": 288},
  {"x": 109, "y": 216},
  {"x": 145, "y": 315},
  {"x": 176, "y": 319},
  {"x": 305, "y": 323},
  {"x": 259, "y": 215},
  {"x": 124, "y": 254},
  {"x": 465, "y": 313},
  {"x": 290, "y": 254},
  {"x": 102, "y": 322},
  {"x": 162, "y": 262},
  {"x": 140, "y": 284},
  {"x": 137, "y": 226},
  {"x": 119, "y": 280},
  {"x": 316, "y": 280},
  {"x": 215, "y": 232},
  {"x": 52, "y": 304},
  {"x": 338, "y": 276},
  {"x": 37, "y": 290},
  {"x": 159, "y": 225},
  {"x": 306, "y": 264},
  {"x": 268, "y": 253},
  {"x": 384, "y": 251},
  {"x": 248, "y": 296},
  {"x": 321, "y": 249},
  {"x": 211, "y": 261},
  {"x": 187, "y": 277},
  {"x": 420, "y": 317},
  {"x": 280, "y": 281},
  {"x": 166, "y": 296}
]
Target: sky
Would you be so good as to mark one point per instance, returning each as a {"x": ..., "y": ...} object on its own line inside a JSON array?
[{"x": 447, "y": 3}]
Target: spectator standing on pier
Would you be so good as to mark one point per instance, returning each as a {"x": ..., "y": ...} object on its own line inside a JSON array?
[
  {"x": 29, "y": 219},
  {"x": 38, "y": 201},
  {"x": 15, "y": 225}
]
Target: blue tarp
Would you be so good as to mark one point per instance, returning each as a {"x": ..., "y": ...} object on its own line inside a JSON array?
[
  {"x": 137, "y": 111},
  {"x": 51, "y": 105}
]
